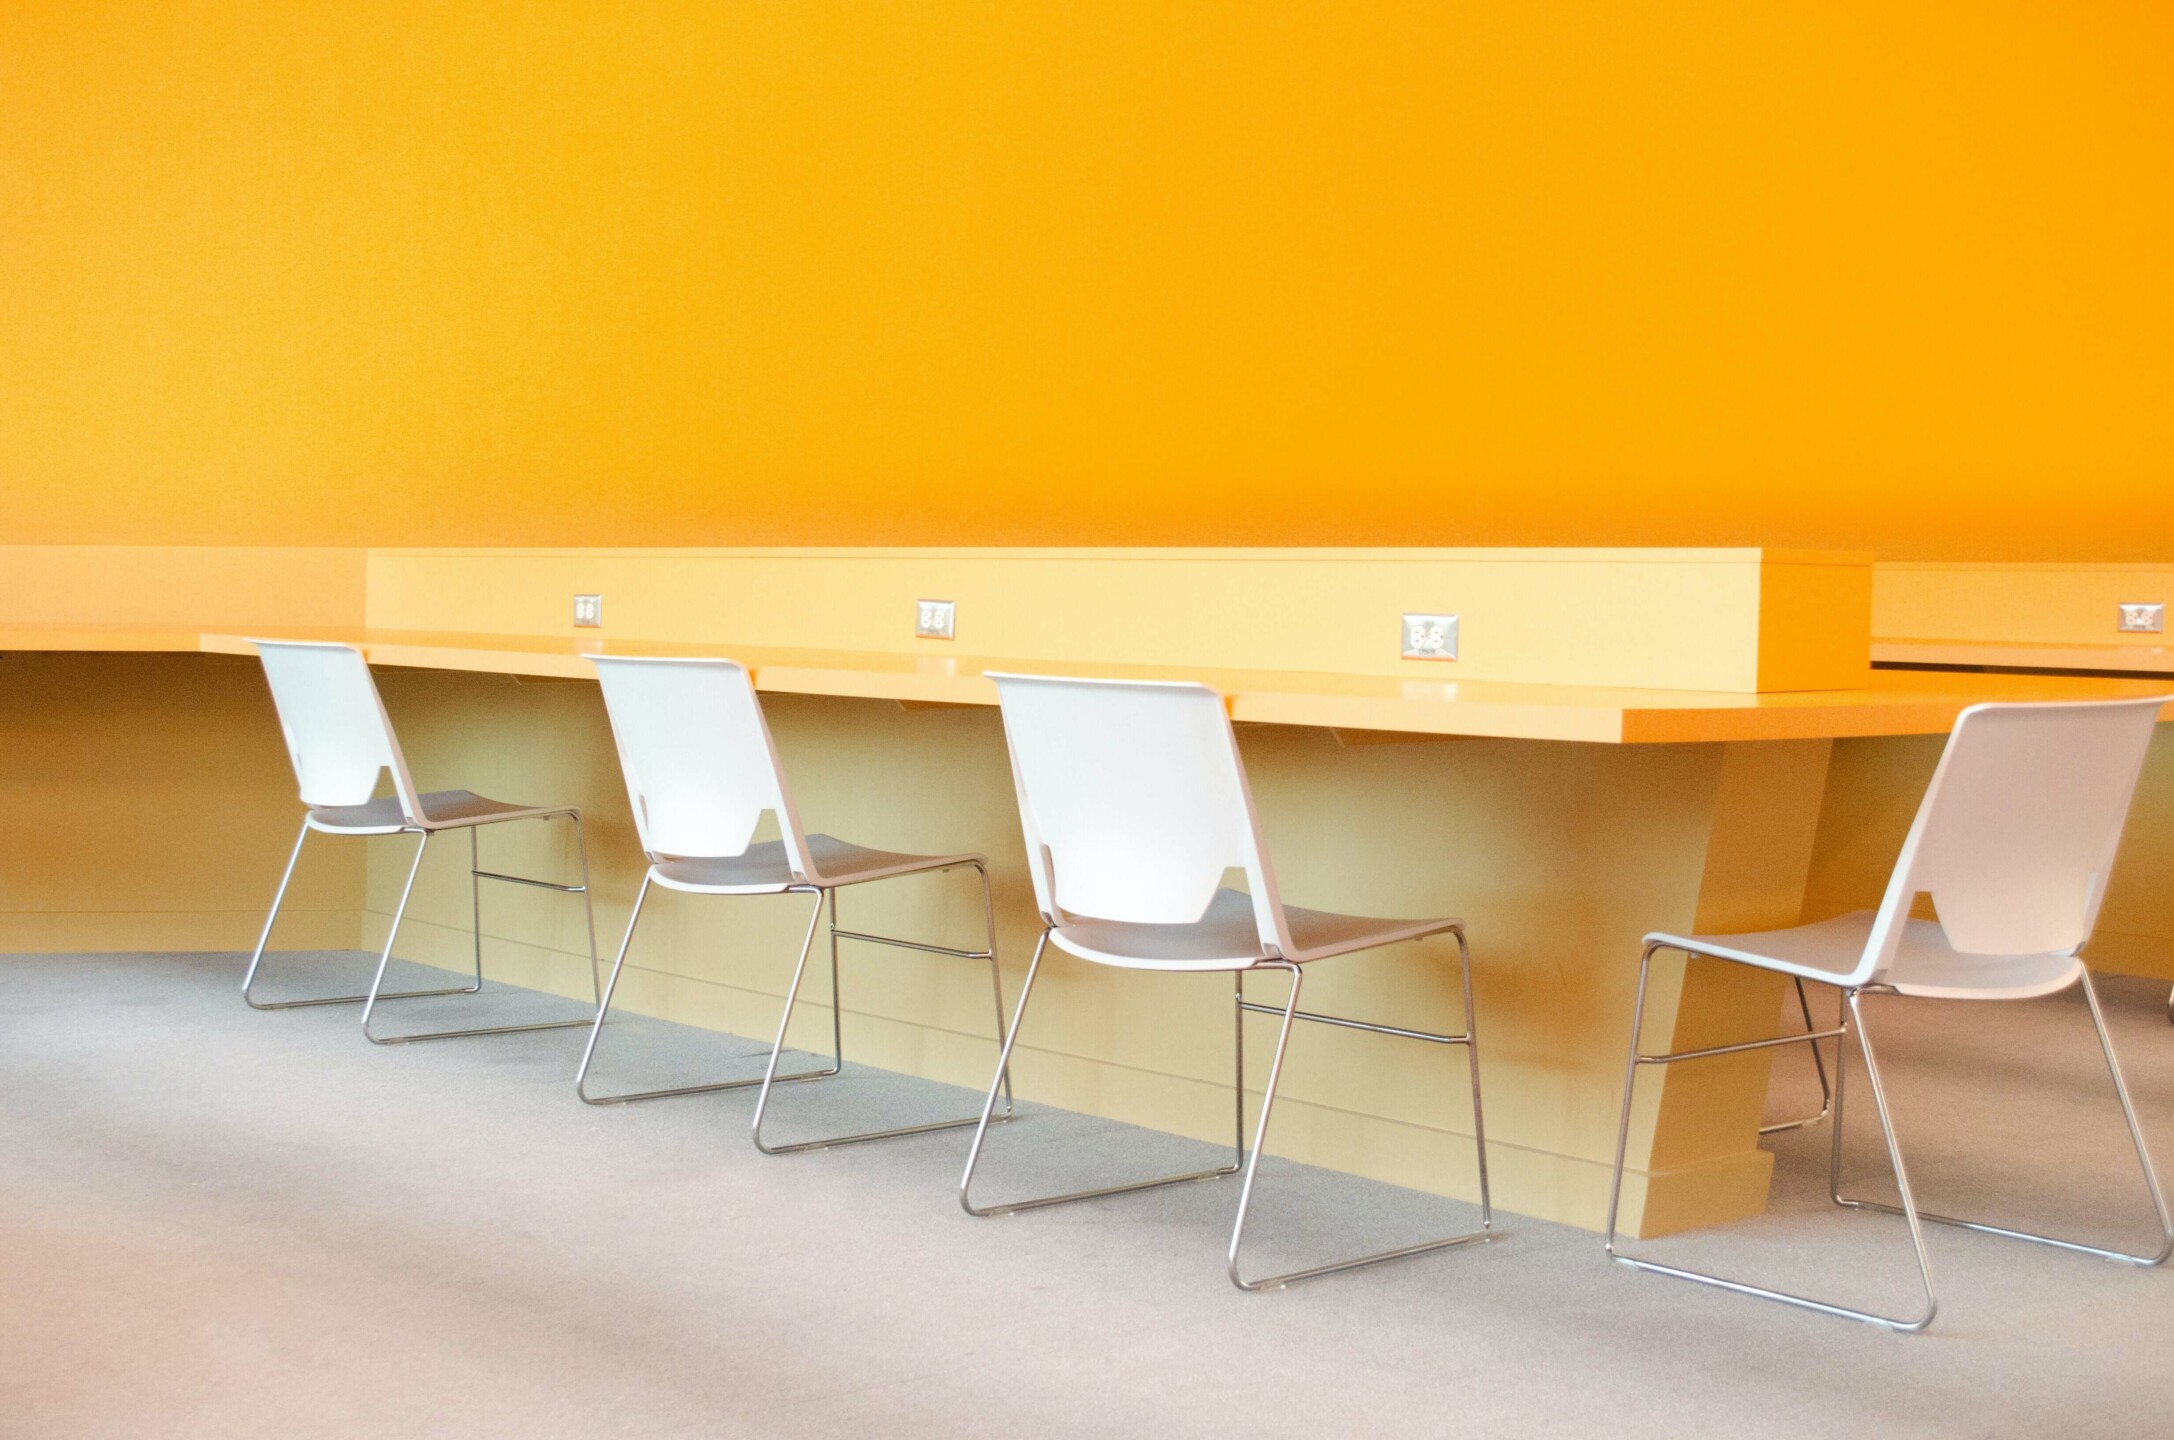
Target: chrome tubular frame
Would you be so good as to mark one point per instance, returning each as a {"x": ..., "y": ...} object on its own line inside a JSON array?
[
  {"x": 1468, "y": 1039},
  {"x": 769, "y": 1079},
  {"x": 476, "y": 876},
  {"x": 1908, "y": 1209},
  {"x": 837, "y": 1010},
  {"x": 973, "y": 1154},
  {"x": 264, "y": 938},
  {"x": 1887, "y": 1130},
  {"x": 611, "y": 989},
  {"x": 2136, "y": 1138},
  {"x": 1249, "y": 1160}
]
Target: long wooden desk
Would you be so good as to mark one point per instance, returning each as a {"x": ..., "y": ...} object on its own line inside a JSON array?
[
  {"x": 1892, "y": 703},
  {"x": 1922, "y": 699}
]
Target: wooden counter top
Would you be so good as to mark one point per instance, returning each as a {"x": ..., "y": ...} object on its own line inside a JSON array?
[{"x": 1895, "y": 703}]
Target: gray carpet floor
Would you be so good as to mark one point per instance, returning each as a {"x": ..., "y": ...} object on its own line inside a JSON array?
[{"x": 215, "y": 1222}]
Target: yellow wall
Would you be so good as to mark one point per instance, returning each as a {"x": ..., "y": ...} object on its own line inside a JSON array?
[
  {"x": 252, "y": 589},
  {"x": 1857, "y": 275}
]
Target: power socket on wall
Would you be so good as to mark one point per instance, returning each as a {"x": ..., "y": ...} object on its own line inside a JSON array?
[
  {"x": 934, "y": 619},
  {"x": 588, "y": 611},
  {"x": 1430, "y": 637},
  {"x": 2143, "y": 619}
]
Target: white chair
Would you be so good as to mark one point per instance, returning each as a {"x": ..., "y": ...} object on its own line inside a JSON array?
[
  {"x": 701, "y": 772},
  {"x": 2014, "y": 841},
  {"x": 340, "y": 742},
  {"x": 1134, "y": 805}
]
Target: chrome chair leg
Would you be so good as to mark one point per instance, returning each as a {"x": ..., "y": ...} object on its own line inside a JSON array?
[
  {"x": 1238, "y": 1058},
  {"x": 837, "y": 1023},
  {"x": 476, "y": 876},
  {"x": 1472, "y": 1070},
  {"x": 1894, "y": 1153},
  {"x": 2136, "y": 1133},
  {"x": 588, "y": 909},
  {"x": 996, "y": 971},
  {"x": 1826, "y": 1090},
  {"x": 475, "y": 899},
  {"x": 264, "y": 938},
  {"x": 837, "y": 1000},
  {"x": 2136, "y": 1138},
  {"x": 1291, "y": 1012},
  {"x": 392, "y": 934},
  {"x": 611, "y": 988},
  {"x": 988, "y": 1108}
]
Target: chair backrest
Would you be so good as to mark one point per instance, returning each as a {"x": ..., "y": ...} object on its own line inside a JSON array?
[
  {"x": 2017, "y": 832},
  {"x": 1133, "y": 800},
  {"x": 700, "y": 766},
  {"x": 337, "y": 733}
]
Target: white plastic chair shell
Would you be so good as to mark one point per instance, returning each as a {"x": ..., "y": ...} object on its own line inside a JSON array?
[
  {"x": 700, "y": 766},
  {"x": 340, "y": 740},
  {"x": 335, "y": 726},
  {"x": 1134, "y": 804},
  {"x": 702, "y": 770},
  {"x": 2014, "y": 841}
]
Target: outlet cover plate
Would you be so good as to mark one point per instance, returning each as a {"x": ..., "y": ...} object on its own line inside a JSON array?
[
  {"x": 588, "y": 611},
  {"x": 935, "y": 619},
  {"x": 1430, "y": 637},
  {"x": 2144, "y": 619}
]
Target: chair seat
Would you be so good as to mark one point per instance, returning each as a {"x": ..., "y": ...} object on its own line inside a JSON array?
[
  {"x": 764, "y": 869},
  {"x": 1925, "y": 964},
  {"x": 1226, "y": 938},
  {"x": 442, "y": 810}
]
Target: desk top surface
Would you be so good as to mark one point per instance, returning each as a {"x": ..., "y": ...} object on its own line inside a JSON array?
[{"x": 1892, "y": 703}]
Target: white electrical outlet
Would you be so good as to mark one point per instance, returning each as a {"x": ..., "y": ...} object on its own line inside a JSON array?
[
  {"x": 588, "y": 611},
  {"x": 1430, "y": 637},
  {"x": 934, "y": 619},
  {"x": 2144, "y": 619}
]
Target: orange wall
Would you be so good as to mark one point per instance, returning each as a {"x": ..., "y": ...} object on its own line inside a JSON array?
[{"x": 1861, "y": 275}]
